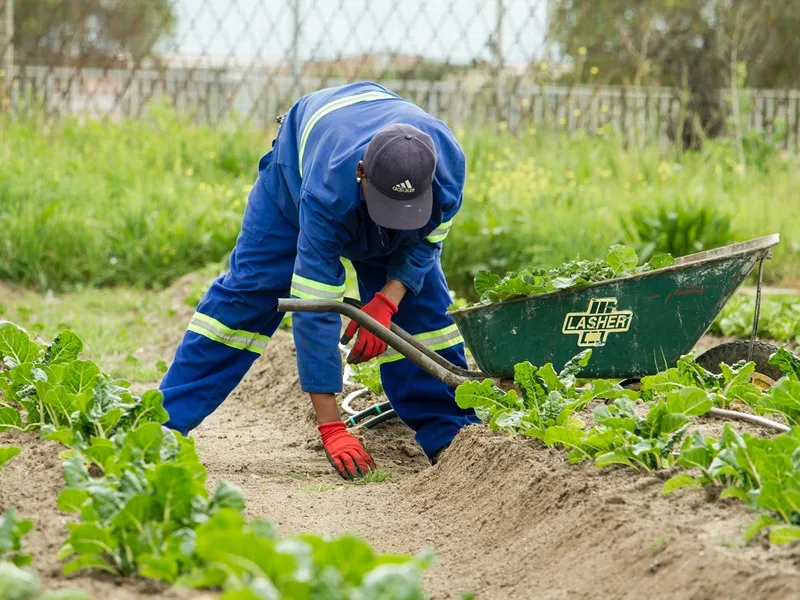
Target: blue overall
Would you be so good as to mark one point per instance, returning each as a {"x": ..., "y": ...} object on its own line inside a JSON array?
[{"x": 304, "y": 213}]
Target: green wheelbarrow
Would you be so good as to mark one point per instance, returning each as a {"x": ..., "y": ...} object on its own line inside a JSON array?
[{"x": 635, "y": 326}]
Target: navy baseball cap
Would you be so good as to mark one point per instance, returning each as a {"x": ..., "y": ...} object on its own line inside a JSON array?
[{"x": 400, "y": 162}]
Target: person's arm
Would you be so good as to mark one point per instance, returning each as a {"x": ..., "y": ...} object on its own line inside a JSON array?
[{"x": 319, "y": 275}]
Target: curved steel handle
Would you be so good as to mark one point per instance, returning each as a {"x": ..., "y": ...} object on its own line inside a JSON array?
[{"x": 397, "y": 338}]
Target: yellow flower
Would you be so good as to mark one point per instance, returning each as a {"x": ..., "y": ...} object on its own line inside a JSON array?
[
  {"x": 603, "y": 108},
  {"x": 594, "y": 70},
  {"x": 543, "y": 66},
  {"x": 570, "y": 175},
  {"x": 582, "y": 50},
  {"x": 577, "y": 112}
]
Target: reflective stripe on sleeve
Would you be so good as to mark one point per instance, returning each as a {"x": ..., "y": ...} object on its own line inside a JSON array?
[
  {"x": 329, "y": 108},
  {"x": 235, "y": 338},
  {"x": 433, "y": 340},
  {"x": 438, "y": 234},
  {"x": 308, "y": 289}
]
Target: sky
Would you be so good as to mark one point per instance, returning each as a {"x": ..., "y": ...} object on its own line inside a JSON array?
[{"x": 456, "y": 30}]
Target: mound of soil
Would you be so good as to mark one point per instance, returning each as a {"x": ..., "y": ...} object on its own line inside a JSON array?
[{"x": 507, "y": 518}]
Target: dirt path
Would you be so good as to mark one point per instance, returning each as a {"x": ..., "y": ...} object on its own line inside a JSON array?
[{"x": 506, "y": 518}]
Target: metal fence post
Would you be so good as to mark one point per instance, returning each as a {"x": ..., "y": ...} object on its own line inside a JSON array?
[{"x": 8, "y": 49}]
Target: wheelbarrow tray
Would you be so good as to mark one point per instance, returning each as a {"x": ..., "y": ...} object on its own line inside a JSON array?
[{"x": 635, "y": 326}]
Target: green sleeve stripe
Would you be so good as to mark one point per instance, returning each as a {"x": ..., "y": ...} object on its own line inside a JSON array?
[
  {"x": 440, "y": 233},
  {"x": 225, "y": 330},
  {"x": 317, "y": 285},
  {"x": 202, "y": 327},
  {"x": 433, "y": 239},
  {"x": 329, "y": 108},
  {"x": 299, "y": 291},
  {"x": 433, "y": 340}
]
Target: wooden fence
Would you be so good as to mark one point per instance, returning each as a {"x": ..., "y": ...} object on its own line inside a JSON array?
[{"x": 257, "y": 95}]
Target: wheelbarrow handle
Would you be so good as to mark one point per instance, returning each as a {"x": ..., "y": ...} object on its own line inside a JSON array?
[
  {"x": 397, "y": 338},
  {"x": 397, "y": 330}
]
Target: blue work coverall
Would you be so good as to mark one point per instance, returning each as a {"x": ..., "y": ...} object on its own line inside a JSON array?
[{"x": 305, "y": 212}]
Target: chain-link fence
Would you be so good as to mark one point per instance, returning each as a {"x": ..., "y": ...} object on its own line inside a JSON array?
[{"x": 503, "y": 63}]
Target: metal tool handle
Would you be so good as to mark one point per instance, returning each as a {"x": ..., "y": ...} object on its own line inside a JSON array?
[
  {"x": 397, "y": 338},
  {"x": 399, "y": 331}
]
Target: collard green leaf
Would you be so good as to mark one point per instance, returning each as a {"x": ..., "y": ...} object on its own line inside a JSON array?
[
  {"x": 16, "y": 346},
  {"x": 690, "y": 401},
  {"x": 150, "y": 408},
  {"x": 64, "y": 349},
  {"x": 227, "y": 495},
  {"x": 71, "y": 500},
  {"x": 786, "y": 362},
  {"x": 679, "y": 481},
  {"x": 7, "y": 453},
  {"x": 16, "y": 583},
  {"x": 80, "y": 375},
  {"x": 87, "y": 561},
  {"x": 10, "y": 418},
  {"x": 759, "y": 524},
  {"x": 661, "y": 261},
  {"x": 162, "y": 568},
  {"x": 784, "y": 534},
  {"x": 485, "y": 281},
  {"x": 783, "y": 398},
  {"x": 622, "y": 259}
]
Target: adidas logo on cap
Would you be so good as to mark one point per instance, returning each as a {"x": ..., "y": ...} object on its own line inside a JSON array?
[{"x": 405, "y": 186}]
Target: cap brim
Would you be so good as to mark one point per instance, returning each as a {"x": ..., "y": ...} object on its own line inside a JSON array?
[{"x": 396, "y": 214}]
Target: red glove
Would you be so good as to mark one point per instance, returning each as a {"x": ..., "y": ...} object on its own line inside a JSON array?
[
  {"x": 344, "y": 451},
  {"x": 367, "y": 345}
]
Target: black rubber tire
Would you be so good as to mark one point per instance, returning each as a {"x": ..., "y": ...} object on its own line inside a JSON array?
[{"x": 732, "y": 352}]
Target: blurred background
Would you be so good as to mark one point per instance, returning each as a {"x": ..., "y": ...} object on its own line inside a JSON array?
[{"x": 131, "y": 130}]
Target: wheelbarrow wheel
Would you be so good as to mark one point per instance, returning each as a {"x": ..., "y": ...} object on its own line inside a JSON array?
[{"x": 730, "y": 353}]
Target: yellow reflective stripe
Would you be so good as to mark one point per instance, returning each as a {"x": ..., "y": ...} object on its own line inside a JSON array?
[
  {"x": 440, "y": 233},
  {"x": 309, "y": 289},
  {"x": 329, "y": 108},
  {"x": 219, "y": 332},
  {"x": 433, "y": 340},
  {"x": 318, "y": 285}
]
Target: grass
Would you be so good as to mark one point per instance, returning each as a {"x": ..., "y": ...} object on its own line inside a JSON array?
[
  {"x": 545, "y": 198},
  {"x": 131, "y": 333},
  {"x": 133, "y": 203},
  {"x": 377, "y": 475},
  {"x": 139, "y": 203}
]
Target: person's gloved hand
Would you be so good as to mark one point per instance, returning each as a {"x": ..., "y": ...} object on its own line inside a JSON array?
[
  {"x": 344, "y": 451},
  {"x": 367, "y": 345}
]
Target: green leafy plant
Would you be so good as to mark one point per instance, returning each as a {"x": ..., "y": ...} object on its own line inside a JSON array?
[
  {"x": 7, "y": 453},
  {"x": 733, "y": 384},
  {"x": 12, "y": 532},
  {"x": 621, "y": 261},
  {"x": 367, "y": 374},
  {"x": 247, "y": 560},
  {"x": 779, "y": 318},
  {"x": 679, "y": 228},
  {"x": 646, "y": 442},
  {"x": 548, "y": 400},
  {"x": 139, "y": 491},
  {"x": 47, "y": 387}
]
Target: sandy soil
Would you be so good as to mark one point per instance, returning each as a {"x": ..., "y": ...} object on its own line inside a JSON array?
[{"x": 507, "y": 518}]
